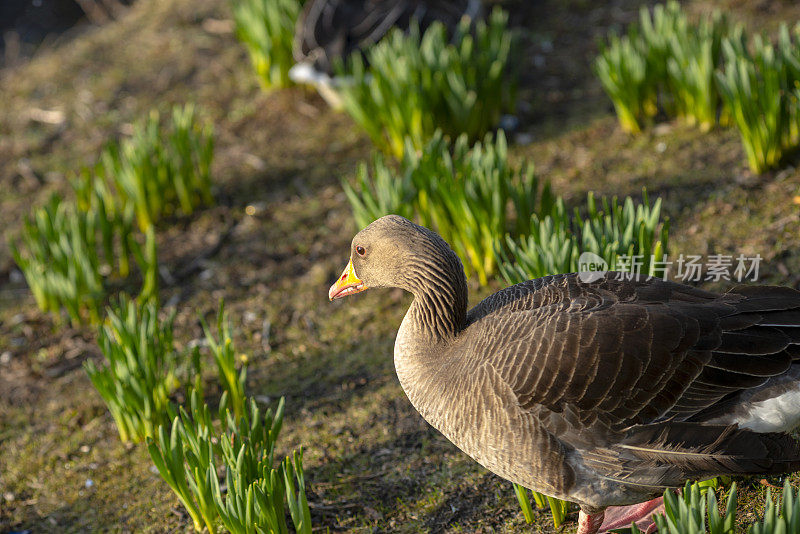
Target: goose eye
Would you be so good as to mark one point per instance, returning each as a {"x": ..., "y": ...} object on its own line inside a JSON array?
[{"x": 360, "y": 250}]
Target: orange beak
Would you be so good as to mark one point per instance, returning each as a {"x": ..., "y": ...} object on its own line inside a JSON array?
[{"x": 347, "y": 284}]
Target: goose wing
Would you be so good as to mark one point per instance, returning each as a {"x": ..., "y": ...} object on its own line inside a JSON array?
[
  {"x": 623, "y": 370},
  {"x": 633, "y": 351}
]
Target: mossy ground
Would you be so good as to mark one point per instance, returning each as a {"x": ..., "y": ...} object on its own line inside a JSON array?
[{"x": 372, "y": 463}]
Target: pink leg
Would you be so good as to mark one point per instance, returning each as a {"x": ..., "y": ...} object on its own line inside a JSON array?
[
  {"x": 589, "y": 523},
  {"x": 641, "y": 514}
]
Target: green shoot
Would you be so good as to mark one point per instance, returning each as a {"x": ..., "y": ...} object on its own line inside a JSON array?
[
  {"x": 779, "y": 518},
  {"x": 160, "y": 169},
  {"x": 188, "y": 455},
  {"x": 612, "y": 230},
  {"x": 59, "y": 258},
  {"x": 686, "y": 514},
  {"x": 759, "y": 88},
  {"x": 664, "y": 63},
  {"x": 225, "y": 357},
  {"x": 622, "y": 70},
  {"x": 69, "y": 254},
  {"x": 558, "y": 508},
  {"x": 266, "y": 28},
  {"x": 140, "y": 368},
  {"x": 418, "y": 83},
  {"x": 378, "y": 191},
  {"x": 524, "y": 502},
  {"x": 694, "y": 55}
]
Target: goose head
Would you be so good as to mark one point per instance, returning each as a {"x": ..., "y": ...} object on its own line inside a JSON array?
[
  {"x": 394, "y": 252},
  {"x": 380, "y": 256}
]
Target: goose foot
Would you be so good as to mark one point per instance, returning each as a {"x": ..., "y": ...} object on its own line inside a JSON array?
[
  {"x": 589, "y": 523},
  {"x": 621, "y": 517}
]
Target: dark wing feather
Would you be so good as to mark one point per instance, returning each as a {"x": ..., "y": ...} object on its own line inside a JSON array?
[
  {"x": 636, "y": 362},
  {"x": 668, "y": 453},
  {"x": 631, "y": 351},
  {"x": 752, "y": 364}
]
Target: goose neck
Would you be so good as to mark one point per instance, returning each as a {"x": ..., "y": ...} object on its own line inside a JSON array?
[{"x": 439, "y": 310}]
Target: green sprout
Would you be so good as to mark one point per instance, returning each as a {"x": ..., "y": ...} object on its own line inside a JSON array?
[
  {"x": 416, "y": 84},
  {"x": 687, "y": 513},
  {"x": 160, "y": 169},
  {"x": 70, "y": 254},
  {"x": 188, "y": 454},
  {"x": 139, "y": 374},
  {"x": 266, "y": 28},
  {"x": 224, "y": 353},
  {"x": 610, "y": 229},
  {"x": 759, "y": 86},
  {"x": 622, "y": 70},
  {"x": 665, "y": 63},
  {"x": 558, "y": 508}
]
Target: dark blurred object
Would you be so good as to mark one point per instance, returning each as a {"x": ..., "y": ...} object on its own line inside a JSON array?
[
  {"x": 330, "y": 29},
  {"x": 25, "y": 24},
  {"x": 102, "y": 11}
]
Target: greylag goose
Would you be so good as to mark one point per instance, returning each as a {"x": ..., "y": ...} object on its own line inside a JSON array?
[{"x": 602, "y": 393}]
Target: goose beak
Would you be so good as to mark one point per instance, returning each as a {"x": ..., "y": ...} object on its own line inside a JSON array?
[{"x": 347, "y": 284}]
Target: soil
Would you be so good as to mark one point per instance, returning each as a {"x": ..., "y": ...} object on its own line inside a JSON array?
[{"x": 279, "y": 235}]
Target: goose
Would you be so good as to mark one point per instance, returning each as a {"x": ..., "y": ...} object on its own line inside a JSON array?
[
  {"x": 331, "y": 30},
  {"x": 603, "y": 393}
]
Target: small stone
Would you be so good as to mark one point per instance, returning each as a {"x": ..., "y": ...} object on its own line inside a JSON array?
[
  {"x": 373, "y": 513},
  {"x": 8, "y": 496},
  {"x": 197, "y": 342},
  {"x": 166, "y": 275},
  {"x": 16, "y": 277},
  {"x": 661, "y": 147},
  {"x": 257, "y": 208},
  {"x": 523, "y": 138},
  {"x": 85, "y": 449},
  {"x": 662, "y": 129},
  {"x": 509, "y": 122},
  {"x": 5, "y": 357}
]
